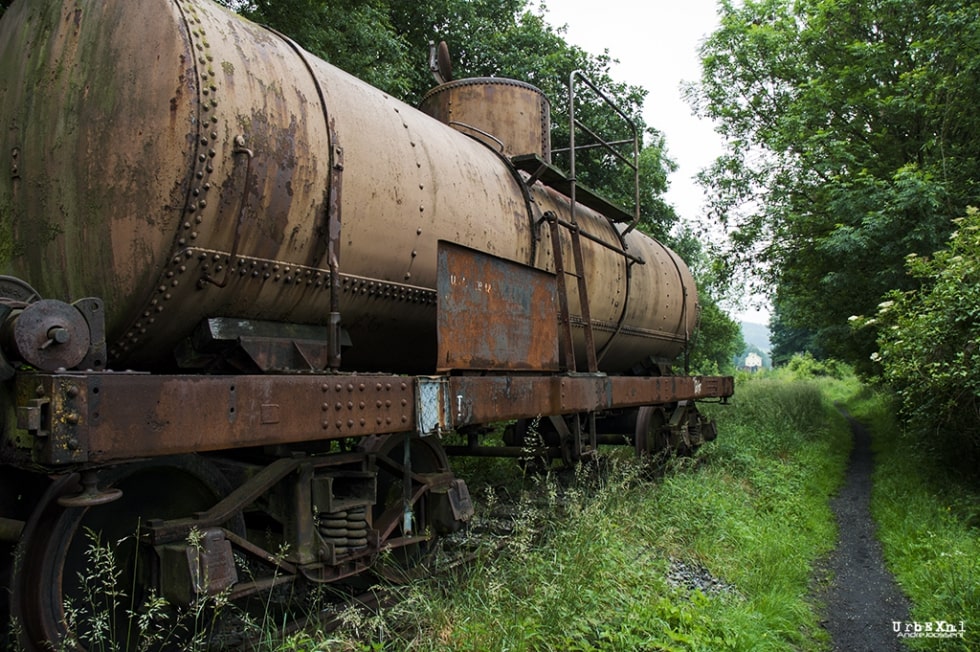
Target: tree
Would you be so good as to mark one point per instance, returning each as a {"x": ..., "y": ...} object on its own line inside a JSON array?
[
  {"x": 355, "y": 35},
  {"x": 718, "y": 338},
  {"x": 852, "y": 139},
  {"x": 788, "y": 340}
]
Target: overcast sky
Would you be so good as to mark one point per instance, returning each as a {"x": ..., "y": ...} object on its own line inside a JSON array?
[
  {"x": 656, "y": 43},
  {"x": 657, "y": 49}
]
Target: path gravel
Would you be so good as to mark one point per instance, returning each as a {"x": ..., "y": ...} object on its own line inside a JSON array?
[{"x": 862, "y": 599}]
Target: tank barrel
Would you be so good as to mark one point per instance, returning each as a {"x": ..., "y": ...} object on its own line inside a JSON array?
[{"x": 248, "y": 179}]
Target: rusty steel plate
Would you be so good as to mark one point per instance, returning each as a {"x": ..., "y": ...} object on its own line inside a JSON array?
[
  {"x": 477, "y": 400},
  {"x": 101, "y": 417},
  {"x": 74, "y": 418},
  {"x": 494, "y": 314}
]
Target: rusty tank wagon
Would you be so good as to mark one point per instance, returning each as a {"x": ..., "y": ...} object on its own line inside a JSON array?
[{"x": 247, "y": 295}]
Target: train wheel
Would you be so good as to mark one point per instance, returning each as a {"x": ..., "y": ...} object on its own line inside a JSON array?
[
  {"x": 62, "y": 596},
  {"x": 19, "y": 492},
  {"x": 651, "y": 439},
  {"x": 403, "y": 563}
]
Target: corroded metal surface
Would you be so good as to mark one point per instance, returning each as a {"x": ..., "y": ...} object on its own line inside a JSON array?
[
  {"x": 47, "y": 334},
  {"x": 495, "y": 314},
  {"x": 637, "y": 310},
  {"x": 510, "y": 116},
  {"x": 102, "y": 417},
  {"x": 479, "y": 400},
  {"x": 222, "y": 147},
  {"x": 181, "y": 163}
]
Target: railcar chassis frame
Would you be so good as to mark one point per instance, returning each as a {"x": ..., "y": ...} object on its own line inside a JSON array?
[
  {"x": 346, "y": 470},
  {"x": 95, "y": 418}
]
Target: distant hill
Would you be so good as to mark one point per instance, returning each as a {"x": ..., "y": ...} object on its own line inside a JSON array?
[{"x": 756, "y": 335}]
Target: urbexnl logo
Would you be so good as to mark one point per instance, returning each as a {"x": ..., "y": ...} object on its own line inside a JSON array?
[{"x": 931, "y": 629}]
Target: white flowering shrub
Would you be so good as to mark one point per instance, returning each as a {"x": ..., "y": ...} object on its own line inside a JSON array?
[{"x": 928, "y": 340}]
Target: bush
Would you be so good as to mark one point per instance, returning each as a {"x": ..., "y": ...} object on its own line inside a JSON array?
[
  {"x": 806, "y": 366},
  {"x": 928, "y": 340}
]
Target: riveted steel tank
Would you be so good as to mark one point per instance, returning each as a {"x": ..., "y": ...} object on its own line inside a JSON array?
[
  {"x": 508, "y": 115},
  {"x": 182, "y": 163}
]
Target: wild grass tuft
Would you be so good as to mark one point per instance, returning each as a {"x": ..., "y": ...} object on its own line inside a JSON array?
[{"x": 109, "y": 613}]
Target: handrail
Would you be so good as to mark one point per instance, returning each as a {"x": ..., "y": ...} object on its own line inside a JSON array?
[{"x": 608, "y": 146}]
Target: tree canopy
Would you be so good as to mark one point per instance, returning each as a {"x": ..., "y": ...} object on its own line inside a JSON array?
[{"x": 853, "y": 139}]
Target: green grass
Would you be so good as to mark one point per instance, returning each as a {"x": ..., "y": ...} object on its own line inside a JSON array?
[
  {"x": 587, "y": 567},
  {"x": 589, "y": 562},
  {"x": 929, "y": 523}
]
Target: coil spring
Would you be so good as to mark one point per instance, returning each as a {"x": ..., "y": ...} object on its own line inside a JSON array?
[{"x": 346, "y": 530}]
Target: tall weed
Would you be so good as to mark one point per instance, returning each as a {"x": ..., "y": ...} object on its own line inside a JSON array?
[{"x": 110, "y": 613}]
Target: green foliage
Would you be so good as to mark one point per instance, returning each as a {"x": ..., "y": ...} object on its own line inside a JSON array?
[
  {"x": 928, "y": 522},
  {"x": 852, "y": 138},
  {"x": 806, "y": 366},
  {"x": 788, "y": 340},
  {"x": 718, "y": 338},
  {"x": 716, "y": 341},
  {"x": 356, "y": 36},
  {"x": 928, "y": 342}
]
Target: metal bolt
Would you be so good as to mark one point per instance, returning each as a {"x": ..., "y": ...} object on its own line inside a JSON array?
[{"x": 59, "y": 334}]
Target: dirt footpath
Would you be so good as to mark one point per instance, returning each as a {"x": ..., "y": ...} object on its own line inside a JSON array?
[{"x": 862, "y": 599}]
